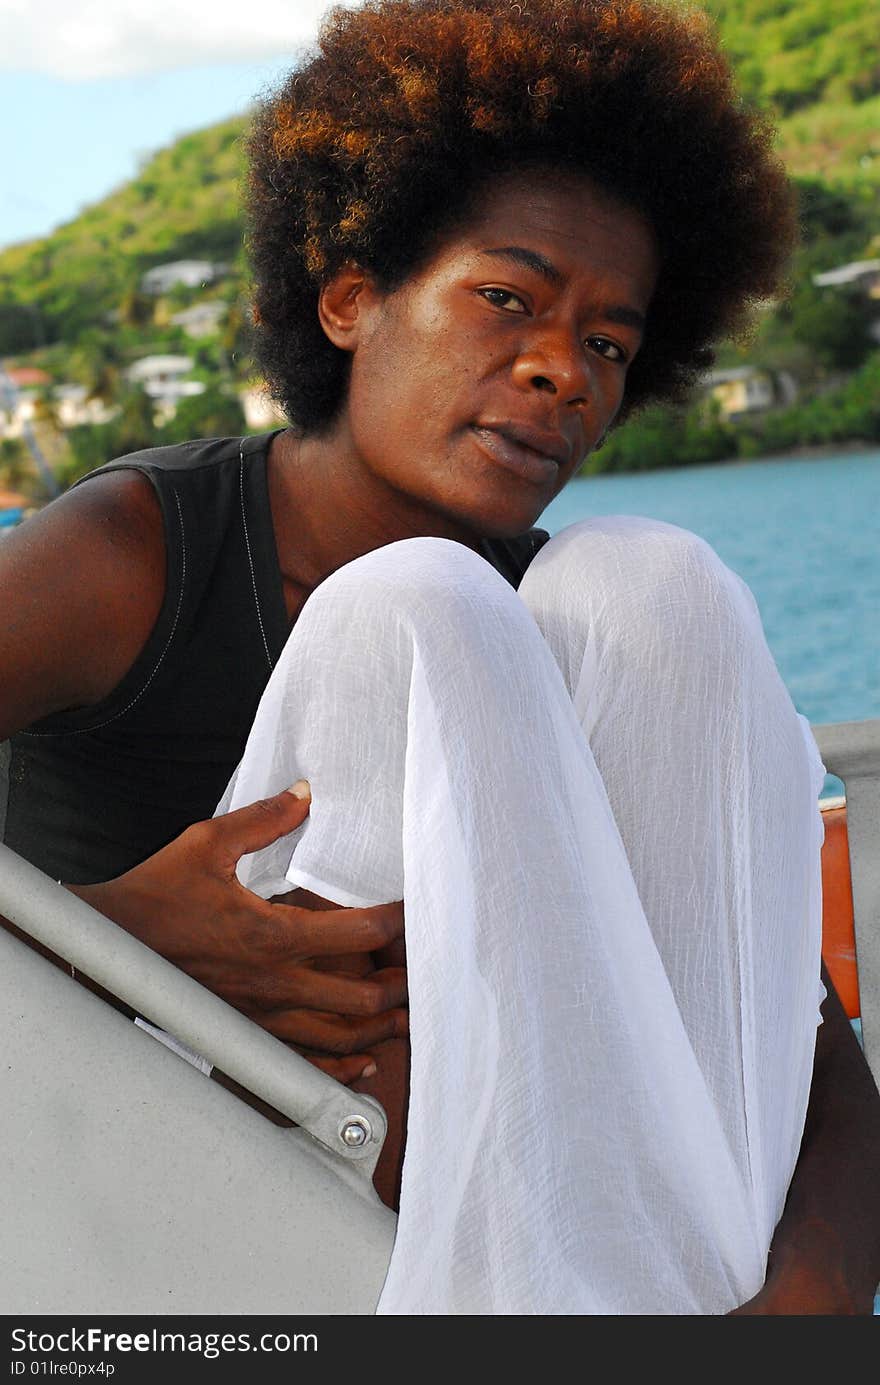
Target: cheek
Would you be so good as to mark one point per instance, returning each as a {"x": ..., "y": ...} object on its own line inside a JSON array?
[
  {"x": 419, "y": 382},
  {"x": 396, "y": 411},
  {"x": 613, "y": 391},
  {"x": 418, "y": 376}
]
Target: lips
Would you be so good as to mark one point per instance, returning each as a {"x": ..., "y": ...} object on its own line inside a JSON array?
[
  {"x": 543, "y": 441},
  {"x": 532, "y": 453},
  {"x": 521, "y": 459}
]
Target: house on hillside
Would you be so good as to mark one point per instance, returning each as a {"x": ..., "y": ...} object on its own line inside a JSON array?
[
  {"x": 21, "y": 394},
  {"x": 862, "y": 279},
  {"x": 162, "y": 378},
  {"x": 744, "y": 390},
  {"x": 27, "y": 377},
  {"x": 152, "y": 372},
  {"x": 202, "y": 319},
  {"x": 73, "y": 407},
  {"x": 192, "y": 274},
  {"x": 863, "y": 275},
  {"x": 18, "y": 410}
]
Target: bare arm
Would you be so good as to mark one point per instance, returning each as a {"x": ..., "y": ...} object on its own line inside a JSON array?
[
  {"x": 825, "y": 1255},
  {"x": 81, "y": 586}
]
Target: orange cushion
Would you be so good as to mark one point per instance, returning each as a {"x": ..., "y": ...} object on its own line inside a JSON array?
[{"x": 838, "y": 934}]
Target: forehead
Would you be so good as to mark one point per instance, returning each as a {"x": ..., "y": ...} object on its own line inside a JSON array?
[{"x": 566, "y": 218}]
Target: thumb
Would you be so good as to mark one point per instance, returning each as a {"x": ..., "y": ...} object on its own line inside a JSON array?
[{"x": 262, "y": 823}]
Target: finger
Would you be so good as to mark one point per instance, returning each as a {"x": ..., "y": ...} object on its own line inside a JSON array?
[
  {"x": 333, "y": 1035},
  {"x": 345, "y": 1070},
  {"x": 339, "y": 993},
  {"x": 260, "y": 824},
  {"x": 351, "y": 963},
  {"x": 321, "y": 933}
]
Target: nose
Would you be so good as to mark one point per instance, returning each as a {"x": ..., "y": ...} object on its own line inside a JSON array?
[{"x": 555, "y": 362}]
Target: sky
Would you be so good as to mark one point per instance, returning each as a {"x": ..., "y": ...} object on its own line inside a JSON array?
[{"x": 90, "y": 88}]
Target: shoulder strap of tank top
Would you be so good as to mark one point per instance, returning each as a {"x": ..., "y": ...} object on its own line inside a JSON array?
[{"x": 203, "y": 488}]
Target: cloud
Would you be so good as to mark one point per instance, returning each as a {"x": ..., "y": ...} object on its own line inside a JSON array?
[{"x": 83, "y": 39}]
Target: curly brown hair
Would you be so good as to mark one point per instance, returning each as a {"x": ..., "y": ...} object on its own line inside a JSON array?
[{"x": 378, "y": 145}]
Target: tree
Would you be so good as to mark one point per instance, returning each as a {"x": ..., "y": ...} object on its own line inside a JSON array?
[
  {"x": 136, "y": 309},
  {"x": 833, "y": 323},
  {"x": 213, "y": 414}
]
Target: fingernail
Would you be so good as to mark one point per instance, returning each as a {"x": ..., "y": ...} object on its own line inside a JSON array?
[
  {"x": 301, "y": 789},
  {"x": 369, "y": 1070}
]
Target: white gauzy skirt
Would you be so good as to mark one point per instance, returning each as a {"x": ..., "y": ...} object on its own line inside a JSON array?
[{"x": 600, "y": 808}]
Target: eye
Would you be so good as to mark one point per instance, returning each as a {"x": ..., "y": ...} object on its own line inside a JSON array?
[
  {"x": 608, "y": 349},
  {"x": 504, "y": 298}
]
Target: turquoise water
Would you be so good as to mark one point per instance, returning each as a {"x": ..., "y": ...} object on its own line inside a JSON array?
[{"x": 804, "y": 534}]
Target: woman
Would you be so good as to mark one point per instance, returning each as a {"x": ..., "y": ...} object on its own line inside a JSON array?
[{"x": 481, "y": 234}]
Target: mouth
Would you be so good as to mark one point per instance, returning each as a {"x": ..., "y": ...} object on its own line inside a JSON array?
[{"x": 529, "y": 452}]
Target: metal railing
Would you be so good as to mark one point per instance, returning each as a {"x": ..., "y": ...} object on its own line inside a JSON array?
[{"x": 349, "y": 1125}]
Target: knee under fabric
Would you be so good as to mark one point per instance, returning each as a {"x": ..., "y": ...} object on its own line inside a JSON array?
[{"x": 609, "y": 861}]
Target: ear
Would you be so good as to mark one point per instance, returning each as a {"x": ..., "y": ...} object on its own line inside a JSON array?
[{"x": 345, "y": 306}]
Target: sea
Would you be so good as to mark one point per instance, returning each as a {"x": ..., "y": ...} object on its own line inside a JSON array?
[{"x": 804, "y": 533}]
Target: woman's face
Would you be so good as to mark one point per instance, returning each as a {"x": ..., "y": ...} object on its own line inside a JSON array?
[{"x": 480, "y": 385}]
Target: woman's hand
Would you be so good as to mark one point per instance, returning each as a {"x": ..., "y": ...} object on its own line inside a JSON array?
[{"x": 288, "y": 968}]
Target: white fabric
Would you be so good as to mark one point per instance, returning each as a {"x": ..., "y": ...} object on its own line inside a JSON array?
[{"x": 613, "y": 938}]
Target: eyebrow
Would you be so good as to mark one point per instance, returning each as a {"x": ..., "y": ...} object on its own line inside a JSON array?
[{"x": 531, "y": 259}]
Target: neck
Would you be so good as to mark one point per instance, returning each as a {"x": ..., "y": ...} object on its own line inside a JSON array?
[{"x": 328, "y": 509}]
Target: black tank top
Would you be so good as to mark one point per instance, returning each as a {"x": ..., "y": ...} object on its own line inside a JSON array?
[{"x": 86, "y": 795}]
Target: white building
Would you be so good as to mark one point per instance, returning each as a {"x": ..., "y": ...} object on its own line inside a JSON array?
[
  {"x": 162, "y": 378},
  {"x": 192, "y": 274},
  {"x": 202, "y": 319},
  {"x": 167, "y": 397},
  {"x": 158, "y": 370},
  {"x": 73, "y": 408},
  {"x": 741, "y": 390},
  {"x": 17, "y": 413},
  {"x": 860, "y": 274}
]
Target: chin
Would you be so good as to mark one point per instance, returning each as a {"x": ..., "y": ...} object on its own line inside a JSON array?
[
  {"x": 518, "y": 514},
  {"x": 507, "y": 523},
  {"x": 495, "y": 511}
]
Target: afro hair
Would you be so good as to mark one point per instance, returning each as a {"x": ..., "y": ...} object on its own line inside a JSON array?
[{"x": 375, "y": 147}]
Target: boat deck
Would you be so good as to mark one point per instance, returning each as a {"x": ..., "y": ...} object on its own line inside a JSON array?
[{"x": 133, "y": 1185}]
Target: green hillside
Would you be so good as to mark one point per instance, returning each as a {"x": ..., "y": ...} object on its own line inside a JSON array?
[
  {"x": 183, "y": 204},
  {"x": 72, "y": 304},
  {"x": 815, "y": 64}
]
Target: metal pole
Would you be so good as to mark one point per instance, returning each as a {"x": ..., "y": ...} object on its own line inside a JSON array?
[{"x": 349, "y": 1124}]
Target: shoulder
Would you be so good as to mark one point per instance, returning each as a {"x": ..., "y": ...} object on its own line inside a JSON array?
[
  {"x": 84, "y": 581},
  {"x": 116, "y": 509},
  {"x": 196, "y": 484},
  {"x": 198, "y": 459},
  {"x": 115, "y": 519}
]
